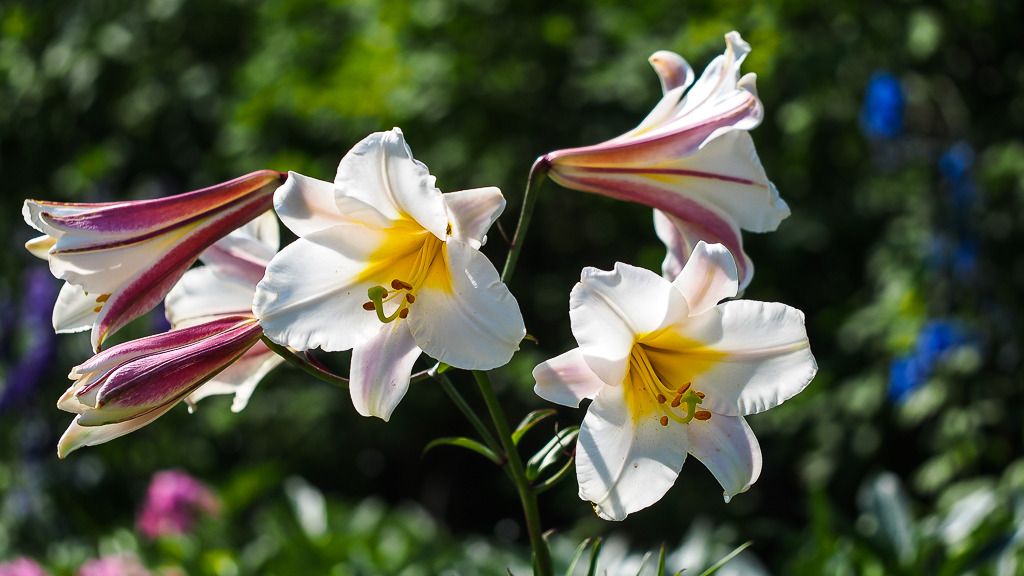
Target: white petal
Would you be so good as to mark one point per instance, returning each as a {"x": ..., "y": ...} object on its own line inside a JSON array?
[
  {"x": 78, "y": 436},
  {"x": 252, "y": 245},
  {"x": 202, "y": 293},
  {"x": 757, "y": 355},
  {"x": 624, "y": 466},
  {"x": 709, "y": 277},
  {"x": 727, "y": 446},
  {"x": 313, "y": 291},
  {"x": 719, "y": 79},
  {"x": 306, "y": 205},
  {"x": 476, "y": 325},
  {"x": 472, "y": 212},
  {"x": 680, "y": 237},
  {"x": 609, "y": 310},
  {"x": 381, "y": 172},
  {"x": 566, "y": 379},
  {"x": 241, "y": 378},
  {"x": 379, "y": 376},
  {"x": 40, "y": 246},
  {"x": 672, "y": 70},
  {"x": 74, "y": 311}
]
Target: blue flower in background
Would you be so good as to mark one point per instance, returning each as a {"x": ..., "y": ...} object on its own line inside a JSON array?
[
  {"x": 955, "y": 167},
  {"x": 34, "y": 325},
  {"x": 881, "y": 115},
  {"x": 936, "y": 339}
]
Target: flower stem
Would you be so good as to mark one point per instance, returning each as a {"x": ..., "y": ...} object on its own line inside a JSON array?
[
  {"x": 533, "y": 184},
  {"x": 527, "y": 496},
  {"x": 304, "y": 365},
  {"x": 467, "y": 411}
]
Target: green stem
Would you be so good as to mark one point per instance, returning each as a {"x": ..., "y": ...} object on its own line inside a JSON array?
[
  {"x": 533, "y": 183},
  {"x": 467, "y": 411},
  {"x": 528, "y": 498},
  {"x": 330, "y": 377}
]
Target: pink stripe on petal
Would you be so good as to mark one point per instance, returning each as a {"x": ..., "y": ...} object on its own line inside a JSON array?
[
  {"x": 671, "y": 172},
  {"x": 150, "y": 286},
  {"x": 130, "y": 219}
]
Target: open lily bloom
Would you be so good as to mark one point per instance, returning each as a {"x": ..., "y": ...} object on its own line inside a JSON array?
[
  {"x": 691, "y": 158},
  {"x": 225, "y": 286},
  {"x": 213, "y": 347},
  {"x": 387, "y": 266},
  {"x": 670, "y": 372},
  {"x": 120, "y": 259}
]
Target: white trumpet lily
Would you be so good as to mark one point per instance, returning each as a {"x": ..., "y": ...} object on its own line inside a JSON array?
[{"x": 671, "y": 371}]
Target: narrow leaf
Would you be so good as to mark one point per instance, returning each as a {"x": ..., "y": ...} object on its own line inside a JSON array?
[
  {"x": 468, "y": 444},
  {"x": 594, "y": 553},
  {"x": 558, "y": 447},
  {"x": 576, "y": 557},
  {"x": 531, "y": 420},
  {"x": 725, "y": 560},
  {"x": 661, "y": 561},
  {"x": 555, "y": 478}
]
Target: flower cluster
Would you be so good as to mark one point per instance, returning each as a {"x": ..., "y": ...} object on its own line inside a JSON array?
[{"x": 389, "y": 267}]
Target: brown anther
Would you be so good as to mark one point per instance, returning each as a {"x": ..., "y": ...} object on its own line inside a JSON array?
[
  {"x": 409, "y": 297},
  {"x": 369, "y": 306},
  {"x": 448, "y": 230},
  {"x": 404, "y": 313},
  {"x": 677, "y": 401},
  {"x": 102, "y": 298},
  {"x": 661, "y": 398},
  {"x": 664, "y": 420},
  {"x": 700, "y": 395},
  {"x": 683, "y": 388},
  {"x": 702, "y": 415},
  {"x": 97, "y": 309},
  {"x": 400, "y": 285}
]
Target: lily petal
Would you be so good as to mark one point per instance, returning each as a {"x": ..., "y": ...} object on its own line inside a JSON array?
[
  {"x": 672, "y": 69},
  {"x": 306, "y": 205},
  {"x": 727, "y": 446},
  {"x": 709, "y": 277},
  {"x": 566, "y": 379},
  {"x": 681, "y": 236},
  {"x": 306, "y": 306},
  {"x": 379, "y": 376},
  {"x": 381, "y": 171},
  {"x": 74, "y": 311},
  {"x": 761, "y": 355},
  {"x": 203, "y": 294},
  {"x": 241, "y": 378},
  {"x": 609, "y": 309},
  {"x": 472, "y": 212},
  {"x": 78, "y": 436},
  {"x": 624, "y": 465},
  {"x": 471, "y": 321}
]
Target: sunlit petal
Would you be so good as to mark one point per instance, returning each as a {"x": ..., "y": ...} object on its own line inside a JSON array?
[
  {"x": 379, "y": 377},
  {"x": 566, "y": 379},
  {"x": 709, "y": 277},
  {"x": 727, "y": 446},
  {"x": 472, "y": 212}
]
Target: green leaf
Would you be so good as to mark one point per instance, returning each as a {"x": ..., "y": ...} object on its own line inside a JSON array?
[
  {"x": 468, "y": 444},
  {"x": 531, "y": 420},
  {"x": 661, "y": 561},
  {"x": 555, "y": 478},
  {"x": 725, "y": 560},
  {"x": 594, "y": 553},
  {"x": 576, "y": 557},
  {"x": 558, "y": 447}
]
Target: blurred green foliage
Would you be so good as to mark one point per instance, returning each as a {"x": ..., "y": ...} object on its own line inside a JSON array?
[{"x": 113, "y": 99}]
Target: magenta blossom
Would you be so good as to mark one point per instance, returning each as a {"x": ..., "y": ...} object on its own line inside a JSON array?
[
  {"x": 118, "y": 565},
  {"x": 21, "y": 567},
  {"x": 174, "y": 502}
]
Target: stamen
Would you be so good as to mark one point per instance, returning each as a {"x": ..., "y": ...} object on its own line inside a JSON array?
[
  {"x": 700, "y": 395},
  {"x": 400, "y": 285},
  {"x": 409, "y": 297},
  {"x": 376, "y": 295},
  {"x": 677, "y": 401},
  {"x": 403, "y": 313},
  {"x": 664, "y": 420},
  {"x": 102, "y": 298},
  {"x": 702, "y": 415},
  {"x": 97, "y": 309},
  {"x": 682, "y": 389},
  {"x": 661, "y": 398},
  {"x": 368, "y": 306}
]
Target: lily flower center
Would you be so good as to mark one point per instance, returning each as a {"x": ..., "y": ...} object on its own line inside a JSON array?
[
  {"x": 411, "y": 272},
  {"x": 649, "y": 394}
]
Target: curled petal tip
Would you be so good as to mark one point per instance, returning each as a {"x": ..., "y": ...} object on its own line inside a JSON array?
[{"x": 672, "y": 69}]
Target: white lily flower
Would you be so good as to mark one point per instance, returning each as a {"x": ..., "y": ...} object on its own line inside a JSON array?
[
  {"x": 670, "y": 372},
  {"x": 387, "y": 266}
]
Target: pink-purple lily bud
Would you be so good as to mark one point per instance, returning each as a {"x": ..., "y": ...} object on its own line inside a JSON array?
[
  {"x": 119, "y": 259},
  {"x": 129, "y": 385}
]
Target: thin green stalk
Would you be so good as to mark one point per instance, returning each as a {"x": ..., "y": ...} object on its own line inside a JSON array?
[
  {"x": 528, "y": 498},
  {"x": 537, "y": 175},
  {"x": 297, "y": 361},
  {"x": 467, "y": 411}
]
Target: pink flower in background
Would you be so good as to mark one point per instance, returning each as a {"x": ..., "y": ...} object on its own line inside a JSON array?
[
  {"x": 122, "y": 565},
  {"x": 174, "y": 502},
  {"x": 21, "y": 567}
]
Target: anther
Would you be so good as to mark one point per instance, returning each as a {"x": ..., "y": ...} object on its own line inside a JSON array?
[
  {"x": 677, "y": 401},
  {"x": 97, "y": 309},
  {"x": 661, "y": 398},
  {"x": 702, "y": 415},
  {"x": 700, "y": 395},
  {"x": 404, "y": 313},
  {"x": 409, "y": 297},
  {"x": 683, "y": 388},
  {"x": 368, "y": 306},
  {"x": 664, "y": 420},
  {"x": 400, "y": 285},
  {"x": 102, "y": 298}
]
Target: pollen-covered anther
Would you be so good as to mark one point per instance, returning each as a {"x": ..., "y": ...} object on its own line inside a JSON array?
[
  {"x": 677, "y": 401},
  {"x": 700, "y": 395},
  {"x": 664, "y": 420},
  {"x": 368, "y": 306},
  {"x": 661, "y": 398},
  {"x": 682, "y": 389},
  {"x": 409, "y": 297},
  {"x": 102, "y": 298},
  {"x": 403, "y": 313},
  {"x": 400, "y": 285},
  {"x": 702, "y": 415}
]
